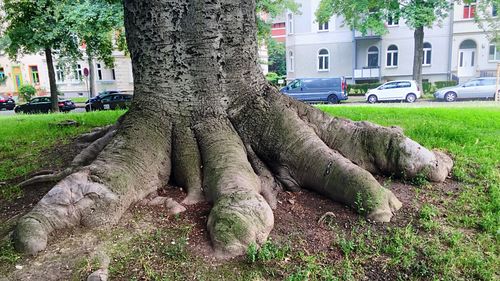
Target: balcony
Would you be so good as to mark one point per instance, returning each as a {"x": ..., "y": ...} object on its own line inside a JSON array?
[
  {"x": 367, "y": 73},
  {"x": 369, "y": 35}
]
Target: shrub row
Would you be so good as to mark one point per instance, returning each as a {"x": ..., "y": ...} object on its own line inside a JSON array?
[{"x": 428, "y": 87}]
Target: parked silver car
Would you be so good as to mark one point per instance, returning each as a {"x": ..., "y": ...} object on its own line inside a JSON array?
[{"x": 477, "y": 88}]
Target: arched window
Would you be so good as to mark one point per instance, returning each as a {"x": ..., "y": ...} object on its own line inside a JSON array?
[
  {"x": 373, "y": 56},
  {"x": 427, "y": 54},
  {"x": 392, "y": 56},
  {"x": 468, "y": 44},
  {"x": 323, "y": 60},
  {"x": 291, "y": 61}
]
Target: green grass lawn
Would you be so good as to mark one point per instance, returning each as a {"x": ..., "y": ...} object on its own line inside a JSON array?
[
  {"x": 79, "y": 99},
  {"x": 25, "y": 138},
  {"x": 453, "y": 236}
]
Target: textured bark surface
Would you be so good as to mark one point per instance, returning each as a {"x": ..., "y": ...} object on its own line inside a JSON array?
[
  {"x": 418, "y": 56},
  {"x": 204, "y": 117},
  {"x": 52, "y": 80}
]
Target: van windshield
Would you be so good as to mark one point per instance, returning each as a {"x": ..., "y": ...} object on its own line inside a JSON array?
[{"x": 295, "y": 84}]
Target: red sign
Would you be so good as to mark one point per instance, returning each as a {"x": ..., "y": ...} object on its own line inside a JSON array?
[{"x": 86, "y": 72}]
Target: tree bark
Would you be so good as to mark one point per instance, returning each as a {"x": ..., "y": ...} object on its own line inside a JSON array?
[
  {"x": 52, "y": 80},
  {"x": 91, "y": 76},
  {"x": 418, "y": 57},
  {"x": 204, "y": 117}
]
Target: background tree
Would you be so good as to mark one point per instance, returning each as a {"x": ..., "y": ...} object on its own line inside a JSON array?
[
  {"x": 277, "y": 57},
  {"x": 371, "y": 15},
  {"x": 204, "y": 118},
  {"x": 487, "y": 19},
  {"x": 36, "y": 26},
  {"x": 96, "y": 24}
]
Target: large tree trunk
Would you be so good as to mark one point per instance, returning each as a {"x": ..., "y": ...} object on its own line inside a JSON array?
[
  {"x": 52, "y": 80},
  {"x": 418, "y": 56},
  {"x": 204, "y": 117}
]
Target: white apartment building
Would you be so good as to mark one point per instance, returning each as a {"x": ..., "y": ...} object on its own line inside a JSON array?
[
  {"x": 71, "y": 82},
  {"x": 454, "y": 49}
]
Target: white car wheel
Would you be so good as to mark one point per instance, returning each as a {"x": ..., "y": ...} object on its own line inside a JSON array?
[
  {"x": 372, "y": 99},
  {"x": 411, "y": 98}
]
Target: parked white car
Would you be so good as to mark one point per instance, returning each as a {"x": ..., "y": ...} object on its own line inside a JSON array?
[{"x": 406, "y": 90}]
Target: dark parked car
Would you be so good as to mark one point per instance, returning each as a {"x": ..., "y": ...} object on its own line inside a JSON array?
[
  {"x": 7, "y": 103},
  {"x": 43, "y": 104},
  {"x": 331, "y": 90},
  {"x": 102, "y": 95},
  {"x": 112, "y": 101}
]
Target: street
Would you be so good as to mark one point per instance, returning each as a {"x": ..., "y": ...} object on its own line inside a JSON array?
[{"x": 360, "y": 101}]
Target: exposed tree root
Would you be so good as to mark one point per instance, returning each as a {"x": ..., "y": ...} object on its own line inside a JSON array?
[
  {"x": 241, "y": 164},
  {"x": 380, "y": 150},
  {"x": 85, "y": 157},
  {"x": 187, "y": 169},
  {"x": 98, "y": 194},
  {"x": 240, "y": 215}
]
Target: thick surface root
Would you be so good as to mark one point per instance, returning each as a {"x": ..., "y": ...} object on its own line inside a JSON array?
[
  {"x": 301, "y": 158},
  {"x": 378, "y": 149},
  {"x": 240, "y": 215},
  {"x": 124, "y": 172},
  {"x": 187, "y": 169}
]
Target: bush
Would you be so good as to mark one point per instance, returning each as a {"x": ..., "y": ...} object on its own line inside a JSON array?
[
  {"x": 273, "y": 78},
  {"x": 444, "y": 84},
  {"x": 361, "y": 89},
  {"x": 27, "y": 92}
]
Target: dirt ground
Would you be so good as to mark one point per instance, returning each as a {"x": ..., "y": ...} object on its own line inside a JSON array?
[{"x": 296, "y": 219}]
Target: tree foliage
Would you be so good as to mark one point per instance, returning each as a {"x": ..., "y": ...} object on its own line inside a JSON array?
[
  {"x": 95, "y": 24},
  {"x": 267, "y": 10},
  {"x": 487, "y": 21},
  {"x": 371, "y": 15},
  {"x": 33, "y": 26},
  {"x": 277, "y": 57}
]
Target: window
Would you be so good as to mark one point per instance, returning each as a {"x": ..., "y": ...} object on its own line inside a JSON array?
[
  {"x": 99, "y": 71},
  {"x": 392, "y": 56},
  {"x": 323, "y": 60},
  {"x": 77, "y": 72},
  {"x": 2, "y": 75},
  {"x": 393, "y": 21},
  {"x": 113, "y": 74},
  {"x": 487, "y": 82},
  {"x": 290, "y": 23},
  {"x": 469, "y": 9},
  {"x": 494, "y": 53},
  {"x": 35, "y": 79},
  {"x": 427, "y": 54},
  {"x": 291, "y": 66},
  {"x": 323, "y": 26},
  {"x": 373, "y": 56},
  {"x": 295, "y": 84},
  {"x": 404, "y": 84},
  {"x": 59, "y": 74}
]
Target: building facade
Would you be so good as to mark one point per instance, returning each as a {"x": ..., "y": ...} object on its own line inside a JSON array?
[
  {"x": 456, "y": 48},
  {"x": 71, "y": 81}
]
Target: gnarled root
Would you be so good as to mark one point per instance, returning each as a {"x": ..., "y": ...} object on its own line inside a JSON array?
[
  {"x": 98, "y": 194},
  {"x": 380, "y": 150},
  {"x": 300, "y": 157},
  {"x": 240, "y": 215},
  {"x": 241, "y": 161}
]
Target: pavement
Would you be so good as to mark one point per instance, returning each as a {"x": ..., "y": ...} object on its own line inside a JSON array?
[{"x": 360, "y": 101}]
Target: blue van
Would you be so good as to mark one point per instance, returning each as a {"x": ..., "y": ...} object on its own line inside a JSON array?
[{"x": 331, "y": 90}]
